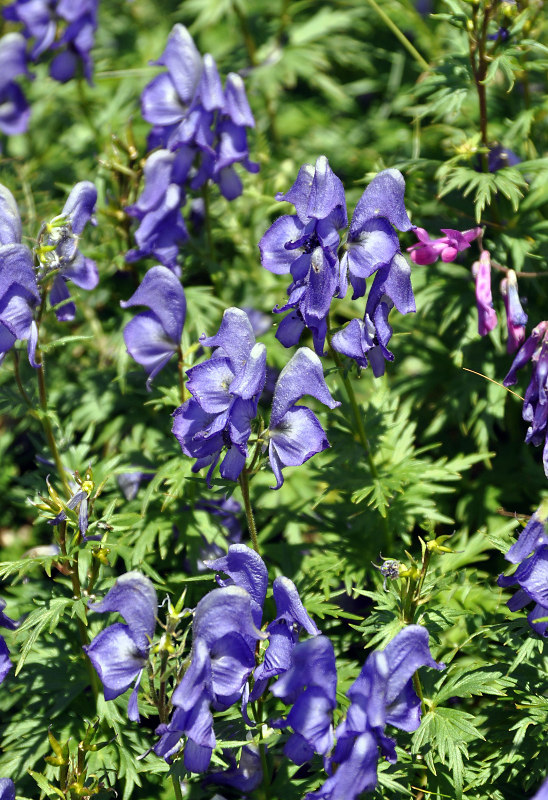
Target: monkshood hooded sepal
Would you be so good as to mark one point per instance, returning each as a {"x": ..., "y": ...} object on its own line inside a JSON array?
[
  {"x": 382, "y": 694},
  {"x": 294, "y": 432},
  {"x": 224, "y": 637},
  {"x": 7, "y": 789},
  {"x": 154, "y": 336},
  {"x": 225, "y": 392},
  {"x": 19, "y": 293},
  {"x": 120, "y": 652},
  {"x": 14, "y": 109},
  {"x": 532, "y": 579}
]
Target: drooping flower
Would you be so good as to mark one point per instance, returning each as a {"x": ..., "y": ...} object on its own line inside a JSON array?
[
  {"x": 382, "y": 694},
  {"x": 5, "y": 661},
  {"x": 516, "y": 318},
  {"x": 154, "y": 336},
  {"x": 532, "y": 536},
  {"x": 532, "y": 578},
  {"x": 428, "y": 250},
  {"x": 14, "y": 109},
  {"x": 120, "y": 652},
  {"x": 294, "y": 432},
  {"x": 246, "y": 776},
  {"x": 500, "y": 157},
  {"x": 225, "y": 391},
  {"x": 487, "y": 316}
]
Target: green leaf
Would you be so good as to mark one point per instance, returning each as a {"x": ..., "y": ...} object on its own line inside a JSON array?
[{"x": 44, "y": 618}]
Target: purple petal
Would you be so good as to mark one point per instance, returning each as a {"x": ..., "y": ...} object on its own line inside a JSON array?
[
  {"x": 316, "y": 192},
  {"x": 251, "y": 379},
  {"x": 5, "y": 663},
  {"x": 302, "y": 375},
  {"x": 147, "y": 343},
  {"x": 274, "y": 255},
  {"x": 374, "y": 246},
  {"x": 290, "y": 329},
  {"x": 224, "y": 611},
  {"x": 162, "y": 292},
  {"x": 289, "y": 606},
  {"x": 13, "y": 58},
  {"x": 183, "y": 61},
  {"x": 59, "y": 294},
  {"x": 209, "y": 383},
  {"x": 531, "y": 537},
  {"x": 382, "y": 198},
  {"x": 134, "y": 597},
  {"x": 10, "y": 220},
  {"x": 236, "y": 105},
  {"x": 210, "y": 88},
  {"x": 246, "y": 568},
  {"x": 356, "y": 774},
  {"x": 312, "y": 664},
  {"x": 116, "y": 658},
  {"x": 235, "y": 336},
  {"x": 311, "y": 717},
  {"x": 80, "y": 205}
]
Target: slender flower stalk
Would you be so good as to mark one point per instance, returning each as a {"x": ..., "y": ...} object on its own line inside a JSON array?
[
  {"x": 244, "y": 486},
  {"x": 411, "y": 49}
]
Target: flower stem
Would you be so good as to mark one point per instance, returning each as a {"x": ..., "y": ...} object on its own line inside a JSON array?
[
  {"x": 18, "y": 381},
  {"x": 176, "y": 787},
  {"x": 180, "y": 369},
  {"x": 244, "y": 486},
  {"x": 46, "y": 424},
  {"x": 360, "y": 428},
  {"x": 400, "y": 35}
]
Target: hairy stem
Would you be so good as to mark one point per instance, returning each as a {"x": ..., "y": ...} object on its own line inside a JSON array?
[
  {"x": 176, "y": 787},
  {"x": 244, "y": 486}
]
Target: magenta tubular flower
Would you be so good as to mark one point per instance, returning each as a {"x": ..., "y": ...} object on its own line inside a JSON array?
[
  {"x": 153, "y": 337},
  {"x": 487, "y": 316},
  {"x": 428, "y": 250},
  {"x": 294, "y": 433},
  {"x": 120, "y": 652},
  {"x": 516, "y": 318}
]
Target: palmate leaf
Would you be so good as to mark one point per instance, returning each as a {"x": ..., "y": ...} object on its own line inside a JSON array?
[
  {"x": 485, "y": 186},
  {"x": 466, "y": 683},
  {"x": 43, "y": 618}
]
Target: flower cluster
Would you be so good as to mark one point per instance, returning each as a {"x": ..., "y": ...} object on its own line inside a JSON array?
[
  {"x": 10, "y": 624},
  {"x": 201, "y": 130},
  {"x": 216, "y": 421},
  {"x": 14, "y": 109},
  {"x": 535, "y": 406},
  {"x": 64, "y": 26},
  {"x": 152, "y": 337},
  {"x": 307, "y": 246},
  {"x": 428, "y": 250},
  {"x": 120, "y": 652},
  {"x": 530, "y": 552}
]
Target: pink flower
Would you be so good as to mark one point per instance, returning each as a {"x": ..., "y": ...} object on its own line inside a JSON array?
[
  {"x": 428, "y": 250},
  {"x": 487, "y": 316}
]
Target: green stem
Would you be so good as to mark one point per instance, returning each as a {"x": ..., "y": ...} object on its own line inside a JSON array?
[
  {"x": 244, "y": 486},
  {"x": 400, "y": 35},
  {"x": 359, "y": 426},
  {"x": 46, "y": 424},
  {"x": 180, "y": 369},
  {"x": 176, "y": 787},
  {"x": 207, "y": 213},
  {"x": 18, "y": 381},
  {"x": 418, "y": 688}
]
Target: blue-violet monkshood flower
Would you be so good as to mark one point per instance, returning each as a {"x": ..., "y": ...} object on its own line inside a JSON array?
[
  {"x": 154, "y": 336},
  {"x": 225, "y": 392},
  {"x": 224, "y": 638},
  {"x": 382, "y": 694},
  {"x": 535, "y": 406},
  {"x": 305, "y": 245},
  {"x": 7, "y": 789},
  {"x": 59, "y": 249},
  {"x": 294, "y": 433},
  {"x": 516, "y": 318},
  {"x": 18, "y": 287},
  {"x": 14, "y": 109},
  {"x": 120, "y": 652},
  {"x": 532, "y": 578},
  {"x": 10, "y": 624}
]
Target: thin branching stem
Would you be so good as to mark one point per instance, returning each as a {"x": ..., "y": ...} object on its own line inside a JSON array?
[
  {"x": 244, "y": 486},
  {"x": 411, "y": 49}
]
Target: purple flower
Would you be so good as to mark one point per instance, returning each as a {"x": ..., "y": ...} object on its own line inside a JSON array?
[
  {"x": 18, "y": 288},
  {"x": 532, "y": 578},
  {"x": 162, "y": 229},
  {"x": 535, "y": 407},
  {"x": 532, "y": 536},
  {"x": 5, "y": 662},
  {"x": 224, "y": 640},
  {"x": 305, "y": 245},
  {"x": 294, "y": 433},
  {"x": 500, "y": 157},
  {"x": 225, "y": 391},
  {"x": 309, "y": 685},
  {"x": 382, "y": 694},
  {"x": 487, "y": 316},
  {"x": 59, "y": 249},
  {"x": 153, "y": 337},
  {"x": 120, "y": 652},
  {"x": 244, "y": 777},
  {"x": 542, "y": 793},
  {"x": 516, "y": 318},
  {"x": 428, "y": 250},
  {"x": 7, "y": 789},
  {"x": 14, "y": 110}
]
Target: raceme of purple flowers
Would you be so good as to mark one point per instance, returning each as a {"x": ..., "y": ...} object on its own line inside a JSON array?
[
  {"x": 535, "y": 406},
  {"x": 227, "y": 632},
  {"x": 201, "y": 129},
  {"x": 307, "y": 245},
  {"x": 214, "y": 424},
  {"x": 530, "y": 552},
  {"x": 58, "y": 257}
]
